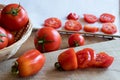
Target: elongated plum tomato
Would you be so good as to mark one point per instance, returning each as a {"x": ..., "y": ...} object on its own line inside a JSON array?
[
  {"x": 29, "y": 63},
  {"x": 75, "y": 40},
  {"x": 67, "y": 60},
  {"x": 14, "y": 17},
  {"x": 47, "y": 39}
]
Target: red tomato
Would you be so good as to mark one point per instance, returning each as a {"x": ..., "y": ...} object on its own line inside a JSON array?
[
  {"x": 53, "y": 22},
  {"x": 103, "y": 60},
  {"x": 92, "y": 54},
  {"x": 68, "y": 60},
  {"x": 29, "y": 63},
  {"x": 76, "y": 40},
  {"x": 89, "y": 28},
  {"x": 0, "y": 18},
  {"x": 73, "y": 25},
  {"x": 83, "y": 58},
  {"x": 14, "y": 17},
  {"x": 106, "y": 17},
  {"x": 47, "y": 39},
  {"x": 11, "y": 37},
  {"x": 90, "y": 18},
  {"x": 3, "y": 38},
  {"x": 73, "y": 16},
  {"x": 109, "y": 28}
]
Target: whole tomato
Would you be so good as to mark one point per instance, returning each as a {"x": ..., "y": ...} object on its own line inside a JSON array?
[
  {"x": 47, "y": 39},
  {"x": 3, "y": 38},
  {"x": 14, "y": 17},
  {"x": 75, "y": 40},
  {"x": 29, "y": 63}
]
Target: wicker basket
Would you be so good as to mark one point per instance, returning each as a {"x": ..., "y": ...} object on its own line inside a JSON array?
[{"x": 20, "y": 37}]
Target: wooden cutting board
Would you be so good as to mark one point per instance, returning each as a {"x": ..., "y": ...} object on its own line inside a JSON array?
[{"x": 48, "y": 72}]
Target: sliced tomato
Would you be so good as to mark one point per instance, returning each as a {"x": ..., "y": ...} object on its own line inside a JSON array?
[
  {"x": 53, "y": 22},
  {"x": 72, "y": 16},
  {"x": 92, "y": 55},
  {"x": 90, "y": 18},
  {"x": 83, "y": 58},
  {"x": 106, "y": 17},
  {"x": 109, "y": 28},
  {"x": 68, "y": 60},
  {"x": 103, "y": 60},
  {"x": 73, "y": 25},
  {"x": 88, "y": 28}
]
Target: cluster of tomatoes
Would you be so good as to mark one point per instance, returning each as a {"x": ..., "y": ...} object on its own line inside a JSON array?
[
  {"x": 85, "y": 58},
  {"x": 73, "y": 23},
  {"x": 13, "y": 18}
]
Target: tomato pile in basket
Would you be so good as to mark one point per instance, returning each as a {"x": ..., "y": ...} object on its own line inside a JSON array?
[{"x": 13, "y": 18}]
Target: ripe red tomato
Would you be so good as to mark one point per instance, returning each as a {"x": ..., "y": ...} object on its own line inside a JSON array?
[
  {"x": 73, "y": 25},
  {"x": 109, "y": 28},
  {"x": 91, "y": 29},
  {"x": 11, "y": 37},
  {"x": 68, "y": 60},
  {"x": 106, "y": 17},
  {"x": 83, "y": 58},
  {"x": 103, "y": 60},
  {"x": 0, "y": 18},
  {"x": 75, "y": 40},
  {"x": 53, "y": 22},
  {"x": 47, "y": 39},
  {"x": 3, "y": 38},
  {"x": 73, "y": 16},
  {"x": 29, "y": 63},
  {"x": 14, "y": 17},
  {"x": 90, "y": 18}
]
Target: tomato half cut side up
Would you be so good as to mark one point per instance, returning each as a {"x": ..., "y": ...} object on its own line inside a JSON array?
[
  {"x": 106, "y": 17},
  {"x": 90, "y": 18},
  {"x": 53, "y": 22},
  {"x": 92, "y": 29},
  {"x": 103, "y": 60},
  {"x": 72, "y": 16},
  {"x": 73, "y": 25},
  {"x": 109, "y": 28},
  {"x": 83, "y": 58}
]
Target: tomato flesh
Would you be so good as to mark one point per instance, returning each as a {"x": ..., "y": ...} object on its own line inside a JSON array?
[
  {"x": 88, "y": 28},
  {"x": 72, "y": 16},
  {"x": 90, "y": 18},
  {"x": 106, "y": 17},
  {"x": 73, "y": 25}
]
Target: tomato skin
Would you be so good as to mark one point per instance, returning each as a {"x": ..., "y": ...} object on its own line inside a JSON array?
[
  {"x": 90, "y": 18},
  {"x": 47, "y": 39},
  {"x": 72, "y": 25},
  {"x": 0, "y": 18},
  {"x": 14, "y": 22},
  {"x": 30, "y": 62},
  {"x": 3, "y": 38},
  {"x": 83, "y": 58},
  {"x": 53, "y": 22},
  {"x": 106, "y": 17},
  {"x": 72, "y": 16},
  {"x": 108, "y": 28},
  {"x": 68, "y": 60},
  {"x": 103, "y": 60},
  {"x": 88, "y": 28},
  {"x": 75, "y": 40},
  {"x": 11, "y": 37}
]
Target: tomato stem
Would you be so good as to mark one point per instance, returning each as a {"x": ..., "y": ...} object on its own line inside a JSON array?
[
  {"x": 15, "y": 70},
  {"x": 58, "y": 66},
  {"x": 76, "y": 43},
  {"x": 2, "y": 35}
]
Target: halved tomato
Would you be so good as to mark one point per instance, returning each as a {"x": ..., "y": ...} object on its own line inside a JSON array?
[
  {"x": 89, "y": 28},
  {"x": 90, "y": 18},
  {"x": 106, "y": 17},
  {"x": 53, "y": 22},
  {"x": 72, "y": 16},
  {"x": 109, "y": 28},
  {"x": 73, "y": 25},
  {"x": 103, "y": 60}
]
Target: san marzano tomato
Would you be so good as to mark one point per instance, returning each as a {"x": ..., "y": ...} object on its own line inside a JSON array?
[
  {"x": 90, "y": 18},
  {"x": 47, "y": 39},
  {"x": 14, "y": 17},
  {"x": 89, "y": 28},
  {"x": 29, "y": 63}
]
